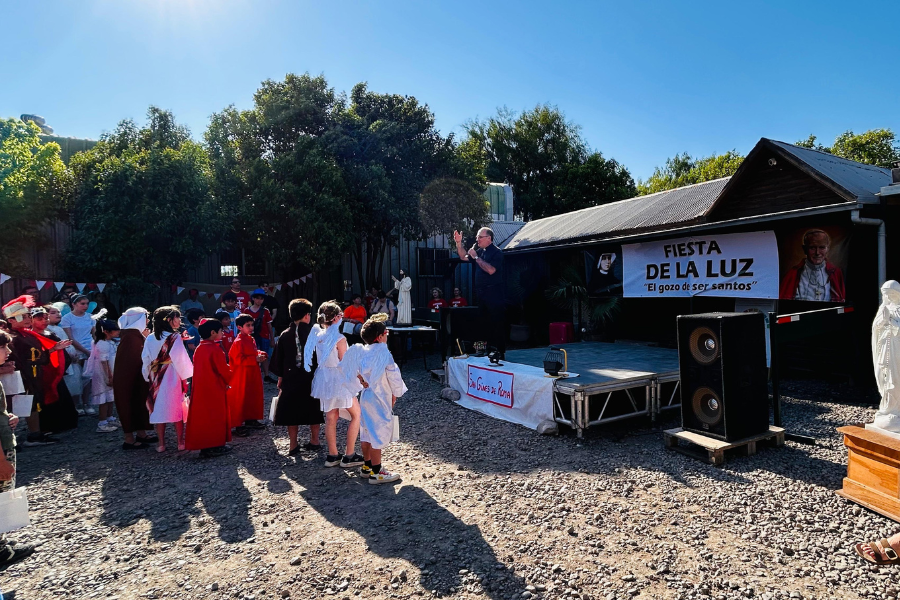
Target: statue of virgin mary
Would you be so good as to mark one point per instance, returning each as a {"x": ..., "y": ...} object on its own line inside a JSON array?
[{"x": 886, "y": 355}]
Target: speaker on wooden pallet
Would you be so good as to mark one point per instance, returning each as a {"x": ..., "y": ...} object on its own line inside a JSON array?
[{"x": 722, "y": 363}]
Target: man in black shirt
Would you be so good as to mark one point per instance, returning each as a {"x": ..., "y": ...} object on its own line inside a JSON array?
[{"x": 489, "y": 284}]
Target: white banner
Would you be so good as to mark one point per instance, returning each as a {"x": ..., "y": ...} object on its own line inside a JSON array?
[
  {"x": 735, "y": 265},
  {"x": 533, "y": 392},
  {"x": 491, "y": 385}
]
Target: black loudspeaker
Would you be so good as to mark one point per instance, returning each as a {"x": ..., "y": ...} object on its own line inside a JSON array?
[{"x": 722, "y": 363}]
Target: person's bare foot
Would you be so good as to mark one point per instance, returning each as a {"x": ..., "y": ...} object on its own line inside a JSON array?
[
  {"x": 880, "y": 553},
  {"x": 160, "y": 448}
]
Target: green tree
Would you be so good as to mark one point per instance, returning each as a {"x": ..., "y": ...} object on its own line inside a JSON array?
[
  {"x": 683, "y": 170},
  {"x": 449, "y": 204},
  {"x": 545, "y": 159},
  {"x": 143, "y": 208},
  {"x": 34, "y": 187},
  {"x": 389, "y": 150},
  {"x": 283, "y": 188},
  {"x": 873, "y": 147}
]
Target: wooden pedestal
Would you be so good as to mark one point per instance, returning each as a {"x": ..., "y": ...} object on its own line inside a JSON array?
[{"x": 873, "y": 470}]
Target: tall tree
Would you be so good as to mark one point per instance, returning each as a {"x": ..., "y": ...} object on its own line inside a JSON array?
[
  {"x": 143, "y": 209},
  {"x": 548, "y": 164},
  {"x": 388, "y": 149},
  {"x": 34, "y": 187},
  {"x": 873, "y": 147},
  {"x": 283, "y": 188},
  {"x": 682, "y": 170}
]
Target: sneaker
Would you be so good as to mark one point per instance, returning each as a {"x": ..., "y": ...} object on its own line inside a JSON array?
[
  {"x": 39, "y": 439},
  {"x": 106, "y": 428},
  {"x": 90, "y": 410},
  {"x": 383, "y": 476},
  {"x": 352, "y": 461},
  {"x": 333, "y": 460},
  {"x": 312, "y": 447},
  {"x": 294, "y": 451},
  {"x": 13, "y": 554},
  {"x": 114, "y": 421},
  {"x": 254, "y": 424},
  {"x": 366, "y": 472},
  {"x": 241, "y": 431},
  {"x": 80, "y": 411}
]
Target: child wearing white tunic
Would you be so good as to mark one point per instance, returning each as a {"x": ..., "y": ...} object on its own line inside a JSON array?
[
  {"x": 99, "y": 368},
  {"x": 383, "y": 383},
  {"x": 169, "y": 404},
  {"x": 328, "y": 385}
]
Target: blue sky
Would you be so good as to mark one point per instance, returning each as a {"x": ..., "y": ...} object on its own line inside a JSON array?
[{"x": 644, "y": 80}]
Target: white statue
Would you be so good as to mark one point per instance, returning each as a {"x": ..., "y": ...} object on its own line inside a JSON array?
[
  {"x": 404, "y": 304},
  {"x": 886, "y": 354}
]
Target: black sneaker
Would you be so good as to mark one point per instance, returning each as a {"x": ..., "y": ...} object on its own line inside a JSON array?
[
  {"x": 352, "y": 461},
  {"x": 240, "y": 431},
  {"x": 13, "y": 554},
  {"x": 312, "y": 447},
  {"x": 333, "y": 460},
  {"x": 39, "y": 439},
  {"x": 254, "y": 424},
  {"x": 294, "y": 451}
]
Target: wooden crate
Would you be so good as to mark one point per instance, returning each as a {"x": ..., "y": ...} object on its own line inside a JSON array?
[
  {"x": 715, "y": 449},
  {"x": 873, "y": 470}
]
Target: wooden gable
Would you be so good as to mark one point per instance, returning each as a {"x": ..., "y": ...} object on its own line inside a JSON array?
[{"x": 760, "y": 188}]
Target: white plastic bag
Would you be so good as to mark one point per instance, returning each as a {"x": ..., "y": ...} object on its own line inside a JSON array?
[
  {"x": 395, "y": 436},
  {"x": 12, "y": 383},
  {"x": 22, "y": 404},
  {"x": 273, "y": 407},
  {"x": 14, "y": 510}
]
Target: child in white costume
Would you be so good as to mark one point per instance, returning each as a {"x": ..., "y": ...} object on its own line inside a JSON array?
[
  {"x": 328, "y": 385},
  {"x": 166, "y": 366},
  {"x": 374, "y": 365}
]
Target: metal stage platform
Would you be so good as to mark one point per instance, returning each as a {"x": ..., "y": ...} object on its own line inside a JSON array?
[{"x": 615, "y": 382}]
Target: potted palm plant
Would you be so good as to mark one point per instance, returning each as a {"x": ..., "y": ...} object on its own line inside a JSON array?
[{"x": 569, "y": 292}]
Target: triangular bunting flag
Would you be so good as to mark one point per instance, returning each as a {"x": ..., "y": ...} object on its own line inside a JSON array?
[
  {"x": 309, "y": 275},
  {"x": 4, "y": 278},
  {"x": 180, "y": 289},
  {"x": 59, "y": 285},
  {"x": 100, "y": 286},
  {"x": 291, "y": 283},
  {"x": 278, "y": 287},
  {"x": 303, "y": 279},
  {"x": 216, "y": 296},
  {"x": 297, "y": 282},
  {"x": 80, "y": 287},
  {"x": 40, "y": 284}
]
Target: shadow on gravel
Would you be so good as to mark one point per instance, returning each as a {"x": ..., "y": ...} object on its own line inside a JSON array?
[{"x": 405, "y": 522}]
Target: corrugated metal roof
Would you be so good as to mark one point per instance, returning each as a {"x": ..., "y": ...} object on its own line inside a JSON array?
[
  {"x": 671, "y": 207},
  {"x": 505, "y": 230},
  {"x": 861, "y": 180}
]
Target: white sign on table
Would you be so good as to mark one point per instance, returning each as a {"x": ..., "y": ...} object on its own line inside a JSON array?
[
  {"x": 735, "y": 265},
  {"x": 491, "y": 385}
]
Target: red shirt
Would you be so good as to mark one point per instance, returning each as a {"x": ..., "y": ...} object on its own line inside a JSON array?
[
  {"x": 243, "y": 300},
  {"x": 437, "y": 303},
  {"x": 266, "y": 320},
  {"x": 356, "y": 313},
  {"x": 457, "y": 302}
]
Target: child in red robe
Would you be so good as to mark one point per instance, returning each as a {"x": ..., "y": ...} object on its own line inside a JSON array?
[
  {"x": 207, "y": 428},
  {"x": 227, "y": 331},
  {"x": 245, "y": 398}
]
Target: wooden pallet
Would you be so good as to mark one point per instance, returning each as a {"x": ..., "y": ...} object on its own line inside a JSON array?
[{"x": 715, "y": 449}]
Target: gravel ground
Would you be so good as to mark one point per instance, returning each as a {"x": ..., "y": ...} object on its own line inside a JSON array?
[{"x": 486, "y": 509}]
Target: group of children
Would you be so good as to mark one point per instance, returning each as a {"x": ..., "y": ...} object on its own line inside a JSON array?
[{"x": 320, "y": 379}]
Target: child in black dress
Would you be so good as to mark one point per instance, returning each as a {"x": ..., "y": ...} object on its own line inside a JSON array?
[{"x": 295, "y": 405}]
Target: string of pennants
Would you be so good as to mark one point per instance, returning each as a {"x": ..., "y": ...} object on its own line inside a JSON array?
[
  {"x": 178, "y": 289},
  {"x": 42, "y": 283}
]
